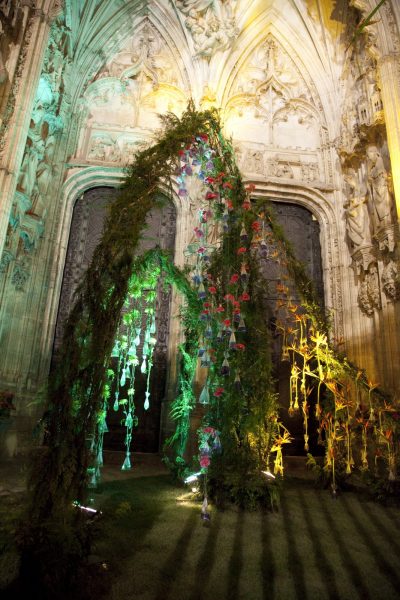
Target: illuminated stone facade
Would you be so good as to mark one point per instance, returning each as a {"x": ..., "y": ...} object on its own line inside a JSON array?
[{"x": 311, "y": 107}]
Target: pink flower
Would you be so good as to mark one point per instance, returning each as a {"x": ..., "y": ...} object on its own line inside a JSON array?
[
  {"x": 241, "y": 250},
  {"x": 220, "y": 308},
  {"x": 244, "y": 297},
  {"x": 212, "y": 289},
  {"x": 218, "y": 392},
  {"x": 205, "y": 461},
  {"x": 234, "y": 278}
]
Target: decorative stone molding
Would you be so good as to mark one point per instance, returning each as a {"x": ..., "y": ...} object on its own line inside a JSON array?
[{"x": 212, "y": 24}]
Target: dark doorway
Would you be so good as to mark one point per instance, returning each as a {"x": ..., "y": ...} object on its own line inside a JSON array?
[
  {"x": 302, "y": 231},
  {"x": 86, "y": 228}
]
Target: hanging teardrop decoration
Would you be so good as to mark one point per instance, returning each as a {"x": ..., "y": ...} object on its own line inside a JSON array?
[
  {"x": 153, "y": 326},
  {"x": 127, "y": 462},
  {"x": 201, "y": 291},
  {"x": 237, "y": 382},
  {"x": 115, "y": 350},
  {"x": 146, "y": 405},
  {"x": 243, "y": 273},
  {"x": 232, "y": 341},
  {"x": 123, "y": 379},
  {"x": 144, "y": 365},
  {"x": 241, "y": 328},
  {"x": 243, "y": 234},
  {"x": 205, "y": 395},
  {"x": 225, "y": 368},
  {"x": 116, "y": 403},
  {"x": 136, "y": 341}
]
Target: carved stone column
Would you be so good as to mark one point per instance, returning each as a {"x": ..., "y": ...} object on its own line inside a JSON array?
[{"x": 388, "y": 72}]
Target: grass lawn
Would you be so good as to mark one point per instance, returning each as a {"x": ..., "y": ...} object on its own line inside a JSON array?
[
  {"x": 155, "y": 546},
  {"x": 315, "y": 547}
]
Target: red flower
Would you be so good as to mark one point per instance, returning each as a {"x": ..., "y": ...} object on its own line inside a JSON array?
[
  {"x": 211, "y": 195},
  {"x": 237, "y": 310},
  {"x": 246, "y": 205},
  {"x": 203, "y": 137},
  {"x": 229, "y": 297},
  {"x": 241, "y": 250},
  {"x": 236, "y": 304},
  {"x": 212, "y": 289},
  {"x": 244, "y": 297},
  {"x": 250, "y": 188},
  {"x": 227, "y": 185},
  {"x": 181, "y": 153},
  {"x": 205, "y": 461},
  {"x": 229, "y": 204},
  {"x": 227, "y": 322},
  {"x": 240, "y": 346},
  {"x": 205, "y": 312},
  {"x": 220, "y": 308},
  {"x": 256, "y": 226},
  {"x": 234, "y": 278},
  {"x": 206, "y": 304},
  {"x": 219, "y": 391},
  {"x": 209, "y": 180},
  {"x": 208, "y": 430}
]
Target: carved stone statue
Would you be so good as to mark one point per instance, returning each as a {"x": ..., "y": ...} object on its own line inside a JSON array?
[
  {"x": 211, "y": 23},
  {"x": 378, "y": 188},
  {"x": 374, "y": 293},
  {"x": 356, "y": 213},
  {"x": 391, "y": 280}
]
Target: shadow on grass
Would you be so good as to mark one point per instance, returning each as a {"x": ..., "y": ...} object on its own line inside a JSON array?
[
  {"x": 376, "y": 552},
  {"x": 236, "y": 560},
  {"x": 322, "y": 563},
  {"x": 346, "y": 558},
  {"x": 378, "y": 523},
  {"x": 173, "y": 566},
  {"x": 267, "y": 565},
  {"x": 294, "y": 559},
  {"x": 206, "y": 560}
]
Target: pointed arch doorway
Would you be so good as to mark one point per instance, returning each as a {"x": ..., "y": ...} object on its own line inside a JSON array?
[
  {"x": 87, "y": 224},
  {"x": 302, "y": 230}
]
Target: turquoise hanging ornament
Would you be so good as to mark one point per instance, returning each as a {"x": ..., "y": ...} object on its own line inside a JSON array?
[
  {"x": 127, "y": 462},
  {"x": 115, "y": 350},
  {"x": 144, "y": 365},
  {"x": 129, "y": 421},
  {"x": 146, "y": 405},
  {"x": 116, "y": 404},
  {"x": 136, "y": 341},
  {"x": 123, "y": 378},
  {"x": 153, "y": 326},
  {"x": 205, "y": 395}
]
